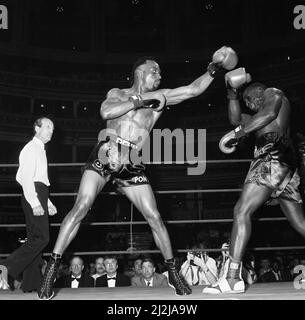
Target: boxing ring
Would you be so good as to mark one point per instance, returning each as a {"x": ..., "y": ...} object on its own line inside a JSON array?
[{"x": 257, "y": 291}]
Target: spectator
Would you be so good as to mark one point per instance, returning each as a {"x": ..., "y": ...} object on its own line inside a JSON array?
[
  {"x": 248, "y": 270},
  {"x": 199, "y": 269},
  {"x": 99, "y": 268},
  {"x": 149, "y": 277},
  {"x": 91, "y": 268},
  {"x": 112, "y": 278},
  {"x": 264, "y": 266},
  {"x": 136, "y": 269},
  {"x": 224, "y": 257},
  {"x": 296, "y": 262},
  {"x": 77, "y": 277},
  {"x": 63, "y": 270},
  {"x": 273, "y": 275}
]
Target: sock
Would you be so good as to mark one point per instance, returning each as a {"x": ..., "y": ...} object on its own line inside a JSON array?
[
  {"x": 170, "y": 263},
  {"x": 234, "y": 269}
]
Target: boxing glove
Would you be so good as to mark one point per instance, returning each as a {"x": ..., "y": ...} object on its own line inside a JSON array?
[
  {"x": 228, "y": 142},
  {"x": 156, "y": 104},
  {"x": 224, "y": 58},
  {"x": 234, "y": 80}
]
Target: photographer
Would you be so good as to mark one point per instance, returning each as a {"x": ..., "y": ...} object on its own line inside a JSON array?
[
  {"x": 224, "y": 257},
  {"x": 199, "y": 269}
]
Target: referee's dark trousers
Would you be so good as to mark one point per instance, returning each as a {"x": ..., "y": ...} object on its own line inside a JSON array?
[{"x": 28, "y": 258}]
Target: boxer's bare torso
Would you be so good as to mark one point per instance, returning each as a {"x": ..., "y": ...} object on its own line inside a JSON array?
[
  {"x": 134, "y": 125},
  {"x": 278, "y": 113}
]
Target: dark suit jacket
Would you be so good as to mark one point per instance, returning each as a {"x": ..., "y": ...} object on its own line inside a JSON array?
[
  {"x": 65, "y": 281},
  {"x": 121, "y": 281},
  {"x": 159, "y": 280},
  {"x": 270, "y": 277}
]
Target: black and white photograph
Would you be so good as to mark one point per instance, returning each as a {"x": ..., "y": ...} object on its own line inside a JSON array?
[{"x": 152, "y": 153}]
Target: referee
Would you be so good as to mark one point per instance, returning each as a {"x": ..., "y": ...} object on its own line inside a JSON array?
[{"x": 32, "y": 175}]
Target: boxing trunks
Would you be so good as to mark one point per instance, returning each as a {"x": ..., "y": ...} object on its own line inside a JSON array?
[
  {"x": 118, "y": 160},
  {"x": 274, "y": 166}
]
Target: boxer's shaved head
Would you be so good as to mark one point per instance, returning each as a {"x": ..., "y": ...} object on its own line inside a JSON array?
[
  {"x": 139, "y": 62},
  {"x": 253, "y": 87},
  {"x": 253, "y": 96}
]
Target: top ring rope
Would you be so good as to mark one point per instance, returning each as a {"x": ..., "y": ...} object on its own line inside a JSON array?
[{"x": 76, "y": 164}]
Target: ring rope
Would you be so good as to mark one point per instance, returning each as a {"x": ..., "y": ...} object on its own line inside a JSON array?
[
  {"x": 77, "y": 164},
  {"x": 17, "y": 225},
  {"x": 59, "y": 194},
  {"x": 131, "y": 251},
  {"x": 125, "y": 252}
]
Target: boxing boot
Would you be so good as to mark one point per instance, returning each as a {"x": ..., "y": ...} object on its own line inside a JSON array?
[
  {"x": 230, "y": 282},
  {"x": 46, "y": 292},
  {"x": 175, "y": 280}
]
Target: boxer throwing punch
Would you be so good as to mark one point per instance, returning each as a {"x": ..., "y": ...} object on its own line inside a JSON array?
[
  {"x": 272, "y": 174},
  {"x": 127, "y": 112}
]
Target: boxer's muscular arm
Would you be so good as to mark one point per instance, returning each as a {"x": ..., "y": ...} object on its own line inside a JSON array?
[
  {"x": 194, "y": 89},
  {"x": 272, "y": 105},
  {"x": 116, "y": 103},
  {"x": 114, "y": 107},
  {"x": 235, "y": 116},
  {"x": 223, "y": 59}
]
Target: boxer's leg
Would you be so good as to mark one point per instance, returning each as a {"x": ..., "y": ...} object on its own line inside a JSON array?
[
  {"x": 91, "y": 184},
  {"x": 294, "y": 213},
  {"x": 252, "y": 197},
  {"x": 144, "y": 200}
]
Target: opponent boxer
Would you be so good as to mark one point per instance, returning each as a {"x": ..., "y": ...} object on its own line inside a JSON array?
[
  {"x": 128, "y": 112},
  {"x": 272, "y": 173}
]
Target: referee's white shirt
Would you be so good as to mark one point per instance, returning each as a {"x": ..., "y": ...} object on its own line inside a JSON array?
[{"x": 33, "y": 167}]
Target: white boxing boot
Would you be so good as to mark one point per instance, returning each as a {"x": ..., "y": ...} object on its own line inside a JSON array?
[{"x": 230, "y": 282}]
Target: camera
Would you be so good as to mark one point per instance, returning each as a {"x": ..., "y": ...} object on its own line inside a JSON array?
[{"x": 196, "y": 254}]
